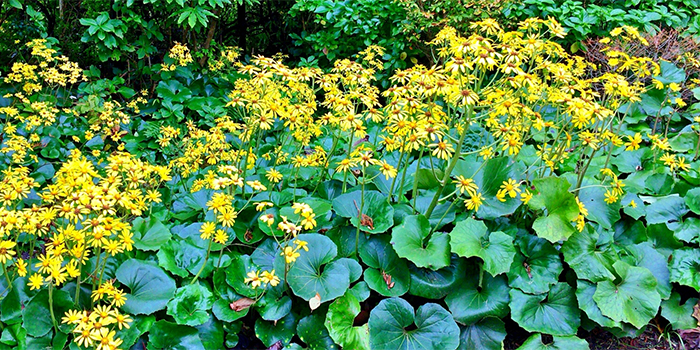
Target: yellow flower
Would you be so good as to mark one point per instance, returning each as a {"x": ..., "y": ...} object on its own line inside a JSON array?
[
  {"x": 290, "y": 255},
  {"x": 510, "y": 187},
  {"x": 254, "y": 279},
  {"x": 466, "y": 184},
  {"x": 525, "y": 196},
  {"x": 633, "y": 143},
  {"x": 35, "y": 281},
  {"x": 387, "y": 170},
  {"x": 6, "y": 252},
  {"x": 610, "y": 197},
  {"x": 270, "y": 278},
  {"x": 474, "y": 202},
  {"x": 220, "y": 237},
  {"x": 21, "y": 267},
  {"x": 207, "y": 230}
]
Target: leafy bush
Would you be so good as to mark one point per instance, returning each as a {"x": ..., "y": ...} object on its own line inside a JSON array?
[
  {"x": 583, "y": 19},
  {"x": 315, "y": 210}
]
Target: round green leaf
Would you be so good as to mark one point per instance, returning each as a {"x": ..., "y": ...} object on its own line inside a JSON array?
[
  {"x": 166, "y": 335},
  {"x": 434, "y": 326},
  {"x": 436, "y": 284},
  {"x": 536, "y": 266},
  {"x": 385, "y": 268},
  {"x": 150, "y": 287},
  {"x": 339, "y": 323},
  {"x": 281, "y": 330},
  {"x": 534, "y": 342},
  {"x": 410, "y": 241},
  {"x": 589, "y": 256},
  {"x": 685, "y": 267},
  {"x": 470, "y": 302},
  {"x": 375, "y": 206},
  {"x": 312, "y": 332},
  {"x": 554, "y": 313},
  {"x": 487, "y": 334},
  {"x": 191, "y": 305},
  {"x": 471, "y": 238},
  {"x": 149, "y": 233},
  {"x": 314, "y": 272},
  {"x": 633, "y": 297},
  {"x": 37, "y": 315}
]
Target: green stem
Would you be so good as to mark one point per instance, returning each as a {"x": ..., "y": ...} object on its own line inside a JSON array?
[
  {"x": 450, "y": 167},
  {"x": 7, "y": 277},
  {"x": 362, "y": 208},
  {"x": 393, "y": 182},
  {"x": 415, "y": 179},
  {"x": 206, "y": 258},
  {"x": 53, "y": 316}
]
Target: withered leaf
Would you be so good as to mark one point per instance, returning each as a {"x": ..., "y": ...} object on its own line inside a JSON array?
[
  {"x": 241, "y": 304},
  {"x": 387, "y": 280}
]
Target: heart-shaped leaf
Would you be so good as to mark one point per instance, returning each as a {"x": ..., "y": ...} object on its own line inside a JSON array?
[
  {"x": 487, "y": 334},
  {"x": 389, "y": 322},
  {"x": 632, "y": 298},
  {"x": 339, "y": 323},
  {"x": 535, "y": 342},
  {"x": 554, "y": 313},
  {"x": 386, "y": 274},
  {"x": 470, "y": 302},
  {"x": 375, "y": 207},
  {"x": 412, "y": 240},
  {"x": 150, "y": 286},
  {"x": 589, "y": 256},
  {"x": 150, "y": 234},
  {"x": 536, "y": 266},
  {"x": 471, "y": 238},
  {"x": 314, "y": 272}
]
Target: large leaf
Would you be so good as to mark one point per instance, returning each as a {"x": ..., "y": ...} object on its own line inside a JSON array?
[
  {"x": 150, "y": 287},
  {"x": 584, "y": 294},
  {"x": 590, "y": 256},
  {"x": 535, "y": 342},
  {"x": 386, "y": 274},
  {"x": 536, "y": 266},
  {"x": 412, "y": 240},
  {"x": 150, "y": 234},
  {"x": 554, "y": 313},
  {"x": 487, "y": 334},
  {"x": 140, "y": 326},
  {"x": 469, "y": 302},
  {"x": 471, "y": 238},
  {"x": 692, "y": 200},
  {"x": 435, "y": 284},
  {"x": 665, "y": 210},
  {"x": 644, "y": 255},
  {"x": 312, "y": 332},
  {"x": 37, "y": 315},
  {"x": 314, "y": 272},
  {"x": 685, "y": 267},
  {"x": 632, "y": 298},
  {"x": 339, "y": 323},
  {"x": 270, "y": 332},
  {"x": 170, "y": 336},
  {"x": 553, "y": 194},
  {"x": 389, "y": 324},
  {"x": 375, "y": 206},
  {"x": 603, "y": 213},
  {"x": 191, "y": 305}
]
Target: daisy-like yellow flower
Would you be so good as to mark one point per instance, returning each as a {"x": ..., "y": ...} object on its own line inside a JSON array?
[
  {"x": 35, "y": 281},
  {"x": 387, "y": 169},
  {"x": 466, "y": 184},
  {"x": 6, "y": 252},
  {"x": 207, "y": 230},
  {"x": 254, "y": 279},
  {"x": 221, "y": 237},
  {"x": 268, "y": 277},
  {"x": 633, "y": 142},
  {"x": 474, "y": 202},
  {"x": 442, "y": 150},
  {"x": 290, "y": 254}
]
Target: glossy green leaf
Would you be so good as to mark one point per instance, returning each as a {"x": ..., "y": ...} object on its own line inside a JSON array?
[
  {"x": 632, "y": 298},
  {"x": 536, "y": 266},
  {"x": 281, "y": 330},
  {"x": 553, "y": 194},
  {"x": 375, "y": 206},
  {"x": 554, "y": 313},
  {"x": 487, "y": 334},
  {"x": 434, "y": 326},
  {"x": 412, "y": 240},
  {"x": 166, "y": 335},
  {"x": 150, "y": 288},
  {"x": 680, "y": 316},
  {"x": 386, "y": 274},
  {"x": 535, "y": 342},
  {"x": 685, "y": 267},
  {"x": 339, "y": 323},
  {"x": 590, "y": 256},
  {"x": 471, "y": 238},
  {"x": 314, "y": 272},
  {"x": 150, "y": 234},
  {"x": 313, "y": 333},
  {"x": 469, "y": 302},
  {"x": 191, "y": 305}
]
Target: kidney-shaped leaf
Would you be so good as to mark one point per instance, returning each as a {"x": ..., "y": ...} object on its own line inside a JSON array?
[
  {"x": 471, "y": 238},
  {"x": 339, "y": 323},
  {"x": 411, "y": 241},
  {"x": 554, "y": 313},
  {"x": 553, "y": 195},
  {"x": 633, "y": 299},
  {"x": 150, "y": 286},
  {"x": 389, "y": 324},
  {"x": 314, "y": 272}
]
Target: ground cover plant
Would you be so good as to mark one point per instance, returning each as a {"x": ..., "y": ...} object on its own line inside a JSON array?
[{"x": 247, "y": 203}]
